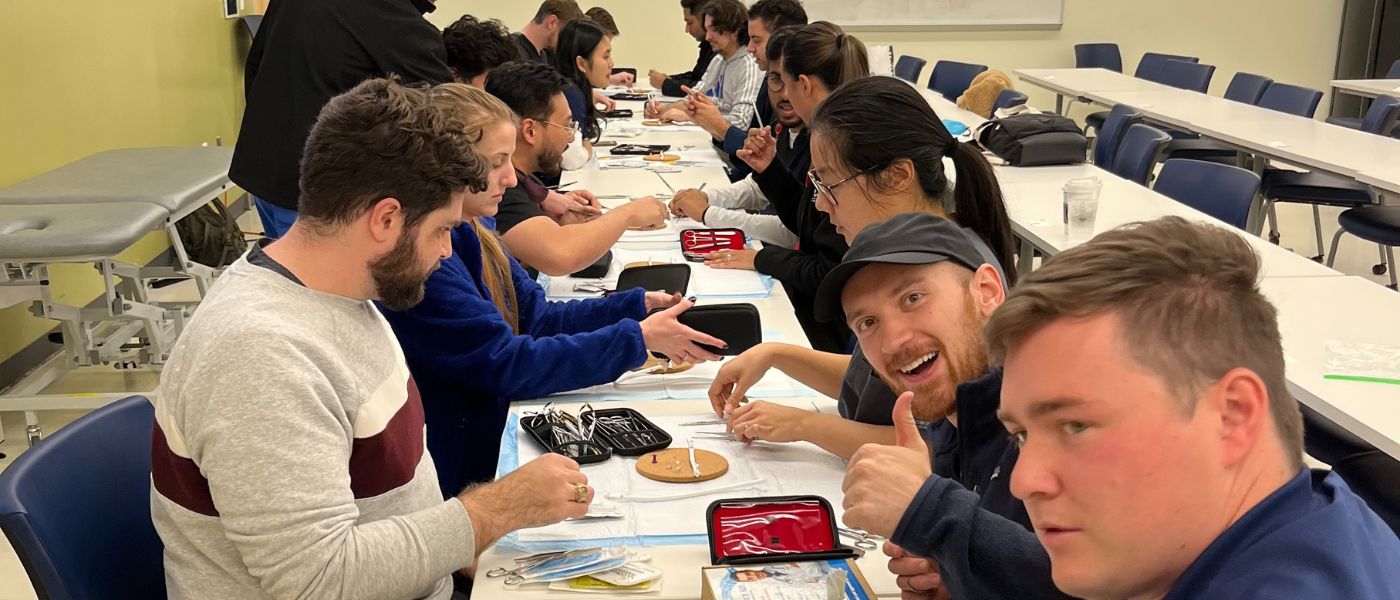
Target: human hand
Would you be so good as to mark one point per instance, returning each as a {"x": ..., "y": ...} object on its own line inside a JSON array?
[
  {"x": 917, "y": 578},
  {"x": 657, "y": 78},
  {"x": 645, "y": 213},
  {"x": 663, "y": 333},
  {"x": 759, "y": 149},
  {"x": 701, "y": 110},
  {"x": 881, "y": 481},
  {"x": 690, "y": 203},
  {"x": 540, "y": 492},
  {"x": 737, "y": 376},
  {"x": 674, "y": 115},
  {"x": 731, "y": 259},
  {"x": 655, "y": 300},
  {"x": 556, "y": 205},
  {"x": 760, "y": 420},
  {"x": 624, "y": 79},
  {"x": 608, "y": 103}
]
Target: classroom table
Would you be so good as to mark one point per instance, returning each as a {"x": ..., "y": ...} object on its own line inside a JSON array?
[
  {"x": 1368, "y": 88},
  {"x": 1314, "y": 311},
  {"x": 1260, "y": 131}
]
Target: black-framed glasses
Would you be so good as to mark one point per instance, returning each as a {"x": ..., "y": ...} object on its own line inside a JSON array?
[
  {"x": 775, "y": 81},
  {"x": 571, "y": 128},
  {"x": 827, "y": 190}
]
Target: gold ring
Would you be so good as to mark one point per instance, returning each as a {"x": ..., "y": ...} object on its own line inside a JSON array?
[{"x": 580, "y": 493}]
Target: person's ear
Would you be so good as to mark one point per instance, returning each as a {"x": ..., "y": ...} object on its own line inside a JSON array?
[
  {"x": 581, "y": 63},
  {"x": 898, "y": 177},
  {"x": 530, "y": 131},
  {"x": 385, "y": 219},
  {"x": 1240, "y": 402},
  {"x": 805, "y": 84},
  {"x": 986, "y": 290}
]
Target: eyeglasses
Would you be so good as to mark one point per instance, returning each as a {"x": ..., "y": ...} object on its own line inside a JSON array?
[
  {"x": 775, "y": 82},
  {"x": 827, "y": 190},
  {"x": 571, "y": 128}
]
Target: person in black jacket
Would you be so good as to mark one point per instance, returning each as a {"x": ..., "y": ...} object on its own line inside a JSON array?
[
  {"x": 917, "y": 292},
  {"x": 816, "y": 60},
  {"x": 306, "y": 52},
  {"x": 670, "y": 85},
  {"x": 475, "y": 47}
]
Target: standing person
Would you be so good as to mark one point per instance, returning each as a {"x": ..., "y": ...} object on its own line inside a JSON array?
[
  {"x": 1161, "y": 452},
  {"x": 306, "y": 52},
  {"x": 485, "y": 334},
  {"x": 670, "y": 85},
  {"x": 475, "y": 47},
  {"x": 733, "y": 78},
  {"x": 287, "y": 457},
  {"x": 538, "y": 39}
]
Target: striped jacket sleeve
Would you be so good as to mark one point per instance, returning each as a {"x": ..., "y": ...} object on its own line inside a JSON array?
[{"x": 741, "y": 85}]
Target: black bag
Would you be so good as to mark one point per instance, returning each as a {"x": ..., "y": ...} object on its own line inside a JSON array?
[
  {"x": 598, "y": 270},
  {"x": 1030, "y": 140},
  {"x": 672, "y": 279},
  {"x": 211, "y": 236},
  {"x": 737, "y": 324}
]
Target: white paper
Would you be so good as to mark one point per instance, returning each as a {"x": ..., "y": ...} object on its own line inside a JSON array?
[
  {"x": 787, "y": 469},
  {"x": 705, "y": 282}
]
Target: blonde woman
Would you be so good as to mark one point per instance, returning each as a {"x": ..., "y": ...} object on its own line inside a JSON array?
[{"x": 484, "y": 333}]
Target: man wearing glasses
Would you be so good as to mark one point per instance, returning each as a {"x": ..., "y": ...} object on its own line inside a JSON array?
[{"x": 578, "y": 234}]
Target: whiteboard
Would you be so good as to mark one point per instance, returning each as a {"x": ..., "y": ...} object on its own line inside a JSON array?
[{"x": 951, "y": 14}]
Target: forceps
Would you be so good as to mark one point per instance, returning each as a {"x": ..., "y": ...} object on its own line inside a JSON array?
[{"x": 862, "y": 539}]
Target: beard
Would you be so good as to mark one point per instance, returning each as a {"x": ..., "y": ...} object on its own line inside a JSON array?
[
  {"x": 966, "y": 359},
  {"x": 551, "y": 161},
  {"x": 399, "y": 281}
]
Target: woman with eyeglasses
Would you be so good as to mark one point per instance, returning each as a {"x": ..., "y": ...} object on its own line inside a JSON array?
[
  {"x": 817, "y": 59},
  {"x": 585, "y": 58},
  {"x": 485, "y": 334}
]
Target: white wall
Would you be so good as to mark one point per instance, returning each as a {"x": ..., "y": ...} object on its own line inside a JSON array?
[{"x": 1289, "y": 40}]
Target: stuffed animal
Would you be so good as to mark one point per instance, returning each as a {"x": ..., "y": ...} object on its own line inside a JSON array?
[{"x": 981, "y": 96}]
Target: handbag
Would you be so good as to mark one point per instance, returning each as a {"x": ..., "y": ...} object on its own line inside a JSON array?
[{"x": 1031, "y": 140}]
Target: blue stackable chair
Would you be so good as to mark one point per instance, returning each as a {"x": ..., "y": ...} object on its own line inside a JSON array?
[
  {"x": 1138, "y": 152},
  {"x": 1111, "y": 134},
  {"x": 1377, "y": 224},
  {"x": 1102, "y": 56},
  {"x": 951, "y": 78},
  {"x": 1192, "y": 76},
  {"x": 1009, "y": 98},
  {"x": 1221, "y": 191},
  {"x": 76, "y": 508},
  {"x": 1380, "y": 117},
  {"x": 1149, "y": 68},
  {"x": 1244, "y": 87},
  {"x": 1292, "y": 99},
  {"x": 909, "y": 68},
  {"x": 1317, "y": 189}
]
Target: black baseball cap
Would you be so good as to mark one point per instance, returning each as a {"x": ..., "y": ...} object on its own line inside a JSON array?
[{"x": 906, "y": 239}]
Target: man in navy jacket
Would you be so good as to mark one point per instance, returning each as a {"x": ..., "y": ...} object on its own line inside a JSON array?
[
  {"x": 916, "y": 292},
  {"x": 1161, "y": 453}
]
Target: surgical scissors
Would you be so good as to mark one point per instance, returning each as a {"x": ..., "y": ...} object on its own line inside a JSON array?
[{"x": 861, "y": 539}]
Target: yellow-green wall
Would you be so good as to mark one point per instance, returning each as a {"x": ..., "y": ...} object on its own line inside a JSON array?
[{"x": 82, "y": 76}]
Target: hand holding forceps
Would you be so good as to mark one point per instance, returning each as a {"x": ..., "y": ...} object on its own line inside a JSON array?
[{"x": 861, "y": 539}]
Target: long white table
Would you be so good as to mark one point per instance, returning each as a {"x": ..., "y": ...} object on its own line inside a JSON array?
[
  {"x": 1368, "y": 88},
  {"x": 1312, "y": 312},
  {"x": 1260, "y": 131},
  {"x": 680, "y": 563}
]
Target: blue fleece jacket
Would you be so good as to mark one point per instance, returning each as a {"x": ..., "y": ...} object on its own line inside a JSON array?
[
  {"x": 469, "y": 365},
  {"x": 1312, "y": 538}
]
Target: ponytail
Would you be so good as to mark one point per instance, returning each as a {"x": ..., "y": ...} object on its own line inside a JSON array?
[
  {"x": 824, "y": 52},
  {"x": 978, "y": 205},
  {"x": 884, "y": 121},
  {"x": 496, "y": 274}
]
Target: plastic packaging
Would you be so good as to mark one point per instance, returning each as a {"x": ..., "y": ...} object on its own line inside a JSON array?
[{"x": 1351, "y": 361}]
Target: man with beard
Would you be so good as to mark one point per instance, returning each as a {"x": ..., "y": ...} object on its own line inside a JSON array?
[
  {"x": 578, "y": 237},
  {"x": 670, "y": 85},
  {"x": 916, "y": 292},
  {"x": 730, "y": 205},
  {"x": 288, "y": 457}
]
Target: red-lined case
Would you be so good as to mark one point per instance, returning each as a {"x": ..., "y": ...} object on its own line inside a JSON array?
[
  {"x": 773, "y": 529},
  {"x": 696, "y": 243}
]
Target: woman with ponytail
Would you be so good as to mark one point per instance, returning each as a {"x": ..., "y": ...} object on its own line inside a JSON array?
[
  {"x": 817, "y": 59},
  {"x": 485, "y": 335}
]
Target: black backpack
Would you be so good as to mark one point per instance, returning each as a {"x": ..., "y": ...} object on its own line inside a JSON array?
[
  {"x": 211, "y": 235},
  {"x": 1031, "y": 140}
]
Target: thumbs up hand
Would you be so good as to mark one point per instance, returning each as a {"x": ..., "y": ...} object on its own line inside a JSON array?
[{"x": 881, "y": 481}]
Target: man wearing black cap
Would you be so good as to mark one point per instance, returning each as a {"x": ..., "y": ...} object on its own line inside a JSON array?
[{"x": 916, "y": 292}]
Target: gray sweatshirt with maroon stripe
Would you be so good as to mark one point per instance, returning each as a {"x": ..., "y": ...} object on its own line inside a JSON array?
[{"x": 288, "y": 459}]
